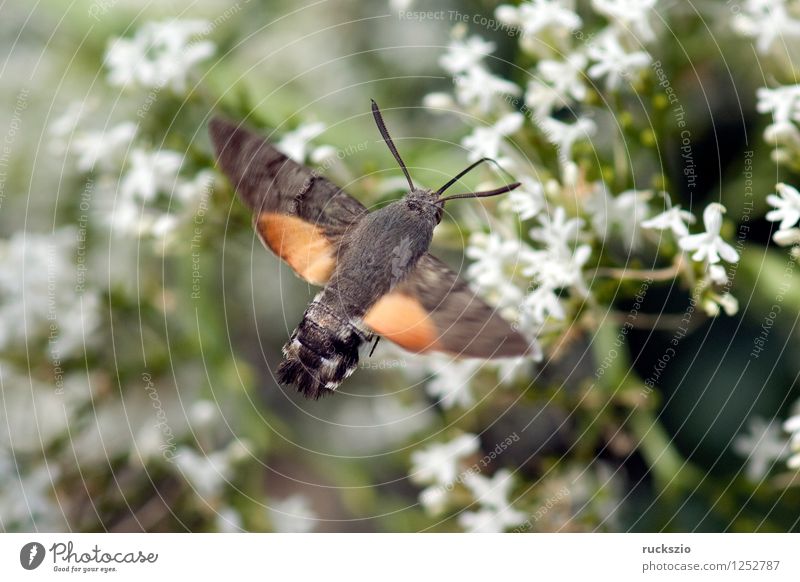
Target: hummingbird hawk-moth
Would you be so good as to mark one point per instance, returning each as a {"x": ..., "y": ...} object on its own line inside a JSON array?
[{"x": 377, "y": 275}]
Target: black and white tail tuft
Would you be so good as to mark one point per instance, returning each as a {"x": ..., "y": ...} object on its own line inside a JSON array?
[{"x": 322, "y": 351}]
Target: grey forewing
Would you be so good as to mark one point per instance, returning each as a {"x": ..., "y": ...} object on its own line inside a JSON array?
[{"x": 268, "y": 181}]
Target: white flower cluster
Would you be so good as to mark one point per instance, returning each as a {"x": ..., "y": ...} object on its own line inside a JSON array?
[
  {"x": 786, "y": 204},
  {"x": 150, "y": 198},
  {"x": 783, "y": 104},
  {"x": 792, "y": 426},
  {"x": 531, "y": 279},
  {"x": 443, "y": 468},
  {"x": 160, "y": 54},
  {"x": 38, "y": 303},
  {"x": 769, "y": 22}
]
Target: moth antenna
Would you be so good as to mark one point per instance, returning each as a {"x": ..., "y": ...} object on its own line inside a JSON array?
[
  {"x": 465, "y": 171},
  {"x": 486, "y": 194},
  {"x": 376, "y": 113}
]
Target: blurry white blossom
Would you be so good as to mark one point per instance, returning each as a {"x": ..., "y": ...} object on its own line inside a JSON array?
[
  {"x": 782, "y": 102},
  {"x": 63, "y": 127},
  {"x": 792, "y": 426},
  {"x": 496, "y": 513},
  {"x": 673, "y": 218},
  {"x": 477, "y": 88},
  {"x": 767, "y": 21},
  {"x": 295, "y": 144},
  {"x": 564, "y": 135},
  {"x": 292, "y": 515},
  {"x": 462, "y": 55},
  {"x": 438, "y": 464},
  {"x": 102, "y": 149},
  {"x": 709, "y": 245},
  {"x": 556, "y": 230},
  {"x": 761, "y": 445},
  {"x": 150, "y": 172},
  {"x": 557, "y": 266},
  {"x": 228, "y": 520},
  {"x": 209, "y": 474},
  {"x": 495, "y": 261},
  {"x": 27, "y": 501},
  {"x": 38, "y": 302},
  {"x": 613, "y": 62},
  {"x": 558, "y": 84},
  {"x": 622, "y": 213},
  {"x": 528, "y": 199},
  {"x": 786, "y": 205},
  {"x": 630, "y": 16},
  {"x": 438, "y": 101},
  {"x": 485, "y": 142},
  {"x": 434, "y": 499},
  {"x": 160, "y": 54},
  {"x": 718, "y": 274},
  {"x": 540, "y": 20},
  {"x": 450, "y": 385}
]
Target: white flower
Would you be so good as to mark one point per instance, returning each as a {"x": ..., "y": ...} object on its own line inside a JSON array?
[
  {"x": 782, "y": 102},
  {"x": 438, "y": 101},
  {"x": 785, "y": 136},
  {"x": 495, "y": 262},
  {"x": 539, "y": 304},
  {"x": 556, "y": 268},
  {"x": 496, "y": 514},
  {"x": 631, "y": 16},
  {"x": 528, "y": 199},
  {"x": 150, "y": 173},
  {"x": 207, "y": 474},
  {"x": 709, "y": 245},
  {"x": 295, "y": 144},
  {"x": 613, "y": 62},
  {"x": 27, "y": 501},
  {"x": 561, "y": 83},
  {"x": 228, "y": 520},
  {"x": 66, "y": 124},
  {"x": 768, "y": 21},
  {"x": 792, "y": 426},
  {"x": 540, "y": 19},
  {"x": 477, "y": 87},
  {"x": 40, "y": 310},
  {"x": 488, "y": 520},
  {"x": 564, "y": 135},
  {"x": 103, "y": 149},
  {"x": 484, "y": 142},
  {"x": 292, "y": 515},
  {"x": 463, "y": 55},
  {"x": 161, "y": 54},
  {"x": 623, "y": 212},
  {"x": 787, "y": 238},
  {"x": 787, "y": 206},
  {"x": 718, "y": 274},
  {"x": 674, "y": 219},
  {"x": 434, "y": 499},
  {"x": 438, "y": 464},
  {"x": 762, "y": 445},
  {"x": 557, "y": 231},
  {"x": 451, "y": 382}
]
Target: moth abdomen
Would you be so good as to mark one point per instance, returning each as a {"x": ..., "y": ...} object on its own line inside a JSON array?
[{"x": 321, "y": 352}]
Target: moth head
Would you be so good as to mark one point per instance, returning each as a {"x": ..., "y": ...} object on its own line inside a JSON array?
[
  {"x": 420, "y": 197},
  {"x": 425, "y": 202}
]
